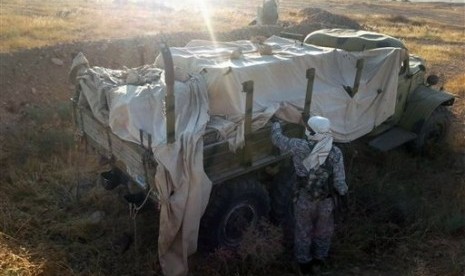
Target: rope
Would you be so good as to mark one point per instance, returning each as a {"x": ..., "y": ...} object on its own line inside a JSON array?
[
  {"x": 80, "y": 139},
  {"x": 133, "y": 211},
  {"x": 110, "y": 149},
  {"x": 132, "y": 214}
]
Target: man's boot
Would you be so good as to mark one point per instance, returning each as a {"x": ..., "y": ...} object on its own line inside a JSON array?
[
  {"x": 316, "y": 265},
  {"x": 305, "y": 268}
]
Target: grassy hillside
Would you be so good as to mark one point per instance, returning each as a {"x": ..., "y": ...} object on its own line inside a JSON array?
[{"x": 407, "y": 214}]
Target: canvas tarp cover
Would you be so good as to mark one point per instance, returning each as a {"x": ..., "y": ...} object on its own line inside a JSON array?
[
  {"x": 130, "y": 100},
  {"x": 280, "y": 81}
]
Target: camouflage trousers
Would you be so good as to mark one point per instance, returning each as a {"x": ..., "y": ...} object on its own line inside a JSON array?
[{"x": 314, "y": 227}]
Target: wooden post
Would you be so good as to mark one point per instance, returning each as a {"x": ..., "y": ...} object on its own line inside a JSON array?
[
  {"x": 310, "y": 74},
  {"x": 169, "y": 97},
  {"x": 358, "y": 75},
  {"x": 247, "y": 87}
]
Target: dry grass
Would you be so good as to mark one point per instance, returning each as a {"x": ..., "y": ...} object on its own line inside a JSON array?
[
  {"x": 413, "y": 28},
  {"x": 456, "y": 84},
  {"x": 436, "y": 54},
  {"x": 41, "y": 23},
  {"x": 436, "y": 43},
  {"x": 16, "y": 260},
  {"x": 407, "y": 213}
]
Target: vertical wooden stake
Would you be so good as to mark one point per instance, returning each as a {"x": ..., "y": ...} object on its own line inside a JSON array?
[
  {"x": 169, "y": 98},
  {"x": 310, "y": 74},
  {"x": 247, "y": 87}
]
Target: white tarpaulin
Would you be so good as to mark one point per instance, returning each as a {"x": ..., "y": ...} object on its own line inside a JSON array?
[
  {"x": 280, "y": 81},
  {"x": 182, "y": 186}
]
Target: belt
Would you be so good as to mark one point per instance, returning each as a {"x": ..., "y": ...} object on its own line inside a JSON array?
[{"x": 302, "y": 185}]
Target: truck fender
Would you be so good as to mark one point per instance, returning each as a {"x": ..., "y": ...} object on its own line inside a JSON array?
[{"x": 420, "y": 105}]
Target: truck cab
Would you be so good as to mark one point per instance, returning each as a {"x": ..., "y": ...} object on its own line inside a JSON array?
[{"x": 420, "y": 115}]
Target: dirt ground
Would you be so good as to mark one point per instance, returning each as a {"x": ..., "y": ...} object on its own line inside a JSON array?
[{"x": 39, "y": 78}]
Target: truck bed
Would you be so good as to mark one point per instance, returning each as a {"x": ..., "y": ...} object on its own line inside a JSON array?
[{"x": 220, "y": 163}]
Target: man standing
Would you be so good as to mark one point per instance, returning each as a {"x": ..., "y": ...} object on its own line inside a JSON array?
[{"x": 320, "y": 170}]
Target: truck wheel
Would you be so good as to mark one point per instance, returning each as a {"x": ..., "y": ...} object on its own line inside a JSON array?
[
  {"x": 282, "y": 204},
  {"x": 234, "y": 206},
  {"x": 433, "y": 131}
]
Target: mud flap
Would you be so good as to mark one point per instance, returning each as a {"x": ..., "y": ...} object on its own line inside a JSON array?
[{"x": 392, "y": 138}]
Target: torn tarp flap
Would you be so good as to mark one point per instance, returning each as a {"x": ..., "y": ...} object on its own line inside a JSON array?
[{"x": 181, "y": 183}]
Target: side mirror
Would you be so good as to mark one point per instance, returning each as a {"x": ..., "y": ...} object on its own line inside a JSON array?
[{"x": 432, "y": 80}]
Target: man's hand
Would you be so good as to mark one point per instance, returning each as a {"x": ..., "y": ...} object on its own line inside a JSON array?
[
  {"x": 304, "y": 119},
  {"x": 344, "y": 203},
  {"x": 341, "y": 187}
]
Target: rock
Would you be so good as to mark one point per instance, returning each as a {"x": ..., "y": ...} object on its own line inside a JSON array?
[
  {"x": 356, "y": 270},
  {"x": 236, "y": 54},
  {"x": 123, "y": 243},
  {"x": 33, "y": 90},
  {"x": 438, "y": 254},
  {"x": 57, "y": 61},
  {"x": 265, "y": 49},
  {"x": 268, "y": 14},
  {"x": 96, "y": 217}
]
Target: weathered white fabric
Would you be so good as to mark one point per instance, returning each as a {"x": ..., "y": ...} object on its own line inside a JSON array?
[
  {"x": 320, "y": 151},
  {"x": 321, "y": 127},
  {"x": 181, "y": 183},
  {"x": 279, "y": 80}
]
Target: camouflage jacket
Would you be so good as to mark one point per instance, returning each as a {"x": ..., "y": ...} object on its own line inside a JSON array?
[{"x": 333, "y": 169}]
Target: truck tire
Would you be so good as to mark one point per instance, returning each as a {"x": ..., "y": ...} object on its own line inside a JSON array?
[
  {"x": 433, "y": 131},
  {"x": 233, "y": 206},
  {"x": 282, "y": 204}
]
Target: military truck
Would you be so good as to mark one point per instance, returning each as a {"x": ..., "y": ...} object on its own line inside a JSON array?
[{"x": 249, "y": 182}]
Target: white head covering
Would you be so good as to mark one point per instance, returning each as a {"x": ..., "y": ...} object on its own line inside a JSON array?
[{"x": 322, "y": 128}]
